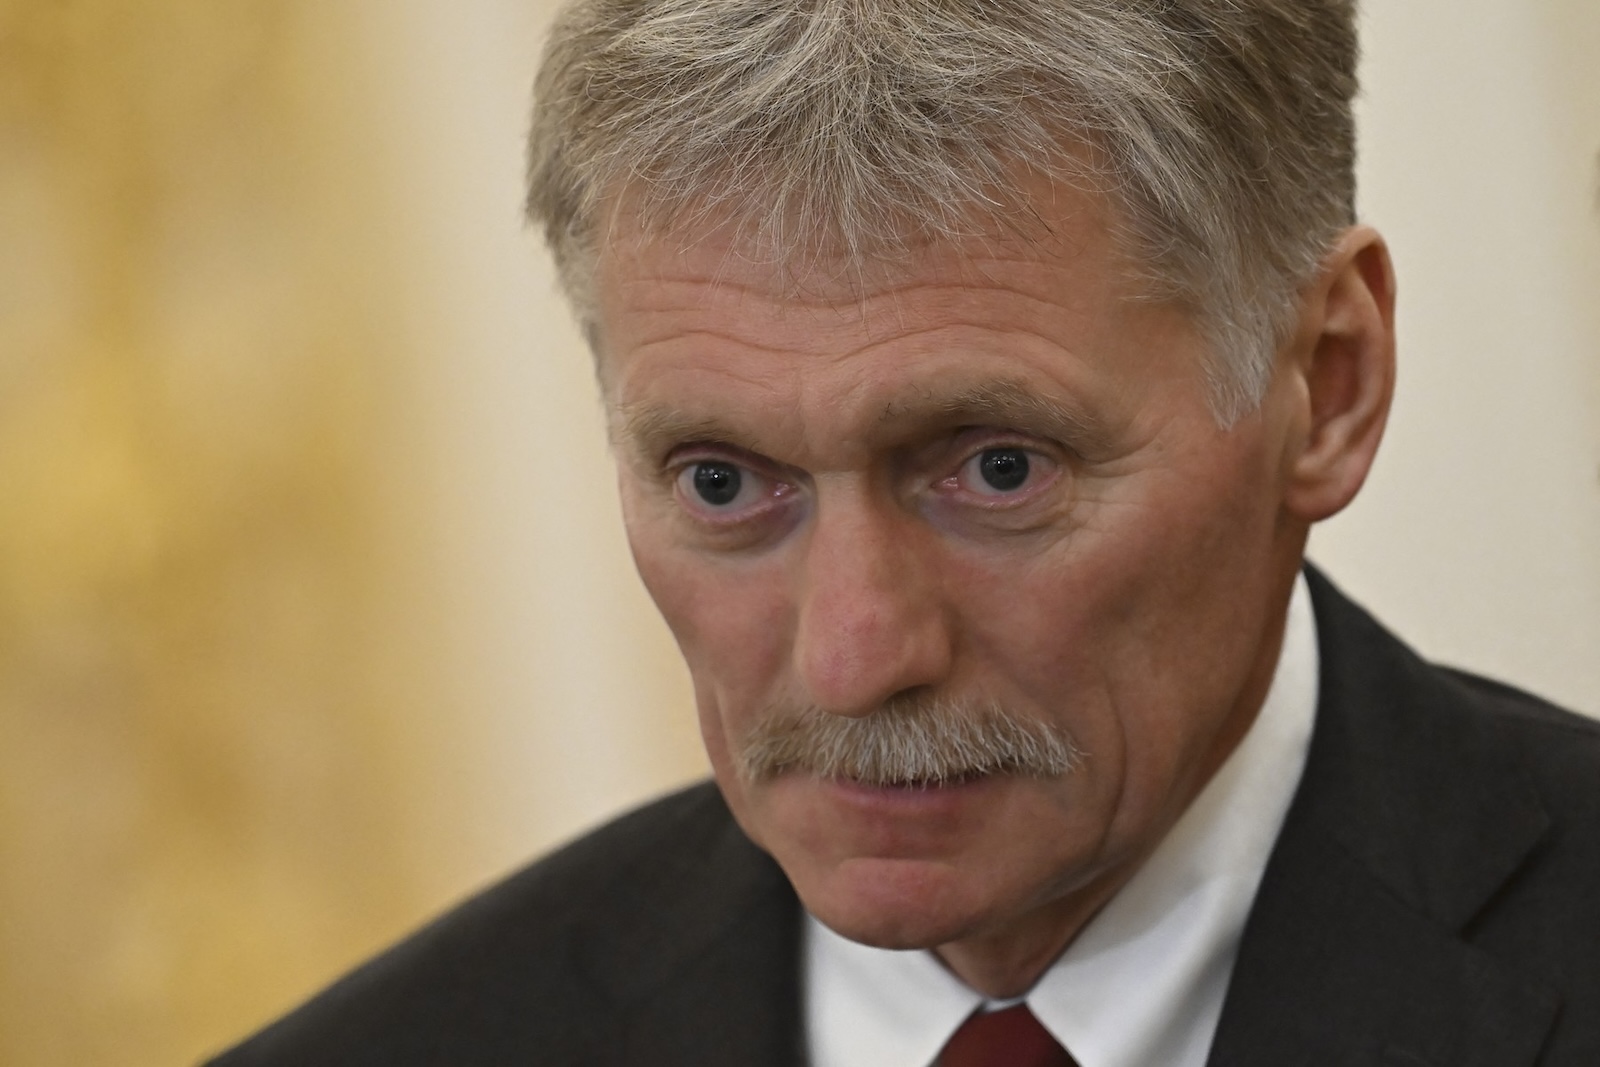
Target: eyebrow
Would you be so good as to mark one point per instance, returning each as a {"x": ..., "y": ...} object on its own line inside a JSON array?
[
  {"x": 647, "y": 431},
  {"x": 1006, "y": 403}
]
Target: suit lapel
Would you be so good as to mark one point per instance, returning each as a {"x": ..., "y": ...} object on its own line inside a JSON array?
[
  {"x": 1411, "y": 815},
  {"x": 1336, "y": 970},
  {"x": 736, "y": 1003},
  {"x": 699, "y": 961}
]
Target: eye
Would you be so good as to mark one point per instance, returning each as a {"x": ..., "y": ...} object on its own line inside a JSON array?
[
  {"x": 1005, "y": 470},
  {"x": 999, "y": 472},
  {"x": 722, "y": 490},
  {"x": 718, "y": 484}
]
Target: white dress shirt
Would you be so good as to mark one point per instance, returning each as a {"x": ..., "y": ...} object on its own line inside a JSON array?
[{"x": 1142, "y": 984}]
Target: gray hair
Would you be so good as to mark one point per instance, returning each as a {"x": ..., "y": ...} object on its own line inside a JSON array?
[
  {"x": 916, "y": 739},
  {"x": 1221, "y": 129}
]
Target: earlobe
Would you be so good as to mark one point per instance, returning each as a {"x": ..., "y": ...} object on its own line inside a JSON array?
[{"x": 1346, "y": 356}]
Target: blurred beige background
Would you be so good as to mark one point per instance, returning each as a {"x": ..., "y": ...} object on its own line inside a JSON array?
[{"x": 315, "y": 611}]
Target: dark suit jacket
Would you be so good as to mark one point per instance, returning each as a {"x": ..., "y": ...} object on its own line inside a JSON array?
[{"x": 1434, "y": 898}]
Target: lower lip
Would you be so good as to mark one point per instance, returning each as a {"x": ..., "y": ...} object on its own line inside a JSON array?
[{"x": 909, "y": 799}]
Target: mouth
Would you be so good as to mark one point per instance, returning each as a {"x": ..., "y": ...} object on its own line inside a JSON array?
[
  {"x": 919, "y": 785},
  {"x": 912, "y": 794}
]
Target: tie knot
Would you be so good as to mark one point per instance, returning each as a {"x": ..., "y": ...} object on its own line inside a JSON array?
[{"x": 1011, "y": 1037}]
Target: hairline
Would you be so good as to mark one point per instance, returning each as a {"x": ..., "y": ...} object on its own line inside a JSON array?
[{"x": 1196, "y": 107}]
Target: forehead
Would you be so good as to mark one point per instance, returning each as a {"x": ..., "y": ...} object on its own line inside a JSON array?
[
  {"x": 1036, "y": 218},
  {"x": 696, "y": 322},
  {"x": 1063, "y": 253}
]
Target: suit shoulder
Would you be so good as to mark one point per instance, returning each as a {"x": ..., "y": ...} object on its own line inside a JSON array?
[
  {"x": 694, "y": 822},
  {"x": 1543, "y": 918},
  {"x": 508, "y": 965},
  {"x": 1561, "y": 748},
  {"x": 1519, "y": 706},
  {"x": 1388, "y": 695}
]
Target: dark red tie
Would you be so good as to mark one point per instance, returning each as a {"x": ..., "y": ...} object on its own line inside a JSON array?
[{"x": 1008, "y": 1038}]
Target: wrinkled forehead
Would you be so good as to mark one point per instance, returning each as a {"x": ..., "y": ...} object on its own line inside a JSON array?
[
  {"x": 1039, "y": 220},
  {"x": 692, "y": 315}
]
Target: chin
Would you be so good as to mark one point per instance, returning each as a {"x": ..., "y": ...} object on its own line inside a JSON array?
[
  {"x": 895, "y": 904},
  {"x": 903, "y": 868}
]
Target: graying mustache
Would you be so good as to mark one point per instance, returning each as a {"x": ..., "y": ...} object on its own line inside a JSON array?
[{"x": 926, "y": 740}]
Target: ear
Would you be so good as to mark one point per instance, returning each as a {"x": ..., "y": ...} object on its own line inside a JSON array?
[{"x": 1343, "y": 355}]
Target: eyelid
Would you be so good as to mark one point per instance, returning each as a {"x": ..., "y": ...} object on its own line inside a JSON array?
[
  {"x": 1034, "y": 454},
  {"x": 967, "y": 438},
  {"x": 682, "y": 455},
  {"x": 971, "y": 442}
]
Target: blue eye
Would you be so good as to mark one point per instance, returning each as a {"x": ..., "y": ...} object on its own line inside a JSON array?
[
  {"x": 723, "y": 494},
  {"x": 1004, "y": 470},
  {"x": 718, "y": 484}
]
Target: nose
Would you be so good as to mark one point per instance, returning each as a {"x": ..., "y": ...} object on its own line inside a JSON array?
[{"x": 871, "y": 622}]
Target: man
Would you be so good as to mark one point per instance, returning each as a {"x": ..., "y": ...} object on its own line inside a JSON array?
[{"x": 976, "y": 371}]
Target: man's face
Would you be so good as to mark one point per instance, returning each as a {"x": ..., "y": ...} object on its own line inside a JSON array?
[{"x": 991, "y": 477}]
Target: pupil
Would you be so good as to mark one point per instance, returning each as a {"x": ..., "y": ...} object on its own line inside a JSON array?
[
  {"x": 717, "y": 483},
  {"x": 1004, "y": 469}
]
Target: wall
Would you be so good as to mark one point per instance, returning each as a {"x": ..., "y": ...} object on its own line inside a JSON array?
[
  {"x": 210, "y": 728},
  {"x": 1478, "y": 535}
]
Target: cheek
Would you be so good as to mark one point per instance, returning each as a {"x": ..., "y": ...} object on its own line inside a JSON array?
[
  {"x": 731, "y": 620},
  {"x": 1138, "y": 629},
  {"x": 732, "y": 631}
]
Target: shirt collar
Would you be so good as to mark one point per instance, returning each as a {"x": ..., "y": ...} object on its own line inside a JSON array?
[{"x": 1144, "y": 981}]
